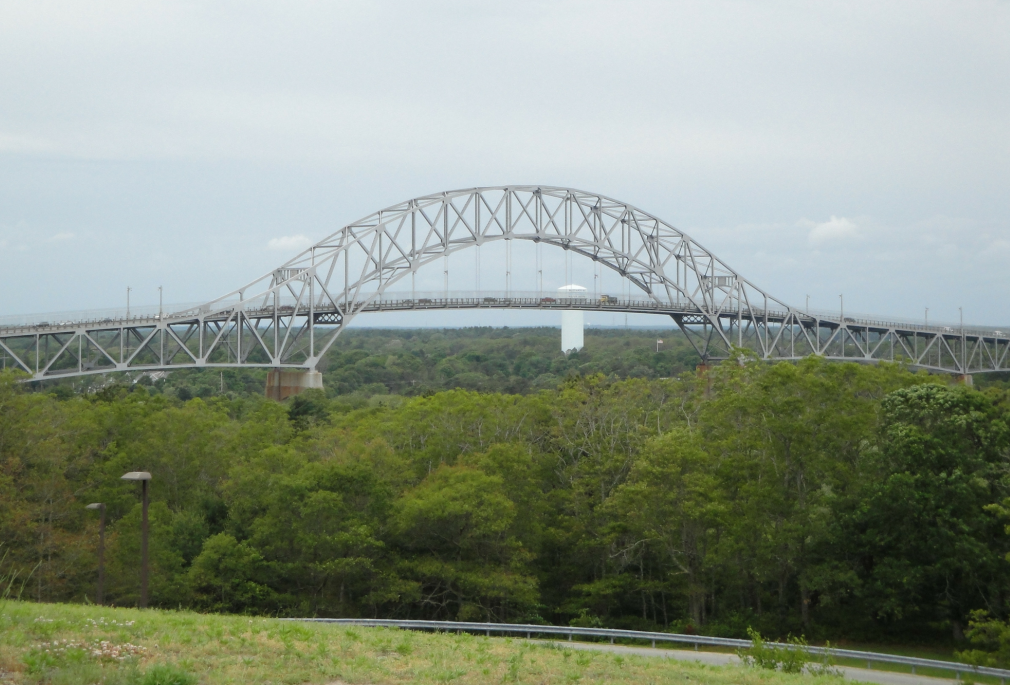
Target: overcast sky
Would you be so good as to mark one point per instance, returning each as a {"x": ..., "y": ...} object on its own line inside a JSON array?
[{"x": 819, "y": 148}]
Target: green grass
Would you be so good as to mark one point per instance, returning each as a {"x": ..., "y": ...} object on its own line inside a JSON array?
[{"x": 184, "y": 648}]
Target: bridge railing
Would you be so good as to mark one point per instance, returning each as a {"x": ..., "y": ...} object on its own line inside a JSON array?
[
  {"x": 589, "y": 300},
  {"x": 32, "y": 323},
  {"x": 90, "y": 317},
  {"x": 532, "y": 630}
]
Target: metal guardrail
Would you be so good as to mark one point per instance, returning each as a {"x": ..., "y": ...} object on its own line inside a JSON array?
[{"x": 531, "y": 629}]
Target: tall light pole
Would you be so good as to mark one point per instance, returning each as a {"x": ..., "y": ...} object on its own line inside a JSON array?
[
  {"x": 160, "y": 306},
  {"x": 128, "y": 289},
  {"x": 100, "y": 595},
  {"x": 143, "y": 477}
]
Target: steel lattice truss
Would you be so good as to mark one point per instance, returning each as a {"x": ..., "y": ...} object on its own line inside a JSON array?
[{"x": 291, "y": 316}]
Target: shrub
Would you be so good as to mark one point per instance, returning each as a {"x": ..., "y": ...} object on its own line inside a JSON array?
[{"x": 788, "y": 659}]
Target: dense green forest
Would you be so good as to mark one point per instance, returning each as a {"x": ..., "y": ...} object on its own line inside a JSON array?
[{"x": 834, "y": 500}]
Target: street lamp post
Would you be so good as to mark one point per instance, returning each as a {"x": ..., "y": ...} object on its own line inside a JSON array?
[
  {"x": 143, "y": 477},
  {"x": 100, "y": 595}
]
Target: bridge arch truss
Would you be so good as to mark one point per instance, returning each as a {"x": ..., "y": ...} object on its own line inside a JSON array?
[{"x": 291, "y": 316}]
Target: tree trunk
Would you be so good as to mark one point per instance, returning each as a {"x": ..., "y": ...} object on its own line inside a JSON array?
[{"x": 696, "y": 599}]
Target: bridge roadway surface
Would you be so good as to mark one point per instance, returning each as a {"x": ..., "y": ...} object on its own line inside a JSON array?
[{"x": 723, "y": 659}]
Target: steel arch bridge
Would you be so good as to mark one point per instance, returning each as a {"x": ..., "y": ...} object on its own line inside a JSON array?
[{"x": 291, "y": 316}]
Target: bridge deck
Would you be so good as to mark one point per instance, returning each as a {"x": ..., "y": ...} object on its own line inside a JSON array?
[
  {"x": 595, "y": 304},
  {"x": 245, "y": 336}
]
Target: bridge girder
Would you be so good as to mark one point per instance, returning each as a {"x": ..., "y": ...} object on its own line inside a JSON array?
[{"x": 291, "y": 316}]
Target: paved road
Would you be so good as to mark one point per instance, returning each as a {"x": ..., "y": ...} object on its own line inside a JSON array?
[{"x": 721, "y": 659}]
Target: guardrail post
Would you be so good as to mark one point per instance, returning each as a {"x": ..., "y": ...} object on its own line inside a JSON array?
[
  {"x": 653, "y": 644},
  {"x": 696, "y": 646},
  {"x": 569, "y": 637},
  {"x": 869, "y": 664},
  {"x": 611, "y": 640},
  {"x": 913, "y": 670}
]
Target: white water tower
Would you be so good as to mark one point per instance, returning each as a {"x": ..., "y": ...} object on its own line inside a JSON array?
[{"x": 572, "y": 322}]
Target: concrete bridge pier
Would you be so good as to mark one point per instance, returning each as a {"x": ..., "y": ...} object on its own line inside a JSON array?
[{"x": 282, "y": 383}]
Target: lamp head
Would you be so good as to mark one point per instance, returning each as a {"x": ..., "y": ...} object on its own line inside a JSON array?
[
  {"x": 137, "y": 475},
  {"x": 96, "y": 505}
]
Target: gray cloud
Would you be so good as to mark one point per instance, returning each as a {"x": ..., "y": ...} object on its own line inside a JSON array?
[
  {"x": 291, "y": 244},
  {"x": 834, "y": 230}
]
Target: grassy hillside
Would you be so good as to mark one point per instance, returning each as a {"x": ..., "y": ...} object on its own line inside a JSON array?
[{"x": 69, "y": 644}]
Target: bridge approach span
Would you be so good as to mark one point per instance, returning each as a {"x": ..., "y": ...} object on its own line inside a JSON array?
[{"x": 291, "y": 316}]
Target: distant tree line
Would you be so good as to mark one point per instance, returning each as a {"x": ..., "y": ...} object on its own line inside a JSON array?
[{"x": 366, "y": 362}]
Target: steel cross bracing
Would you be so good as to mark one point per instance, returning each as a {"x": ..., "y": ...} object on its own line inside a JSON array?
[{"x": 291, "y": 316}]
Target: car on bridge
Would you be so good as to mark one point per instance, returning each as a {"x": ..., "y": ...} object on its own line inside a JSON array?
[
  {"x": 608, "y": 299},
  {"x": 547, "y": 300}
]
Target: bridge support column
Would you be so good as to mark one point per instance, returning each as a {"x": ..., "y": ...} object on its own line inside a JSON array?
[
  {"x": 964, "y": 379},
  {"x": 282, "y": 384}
]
